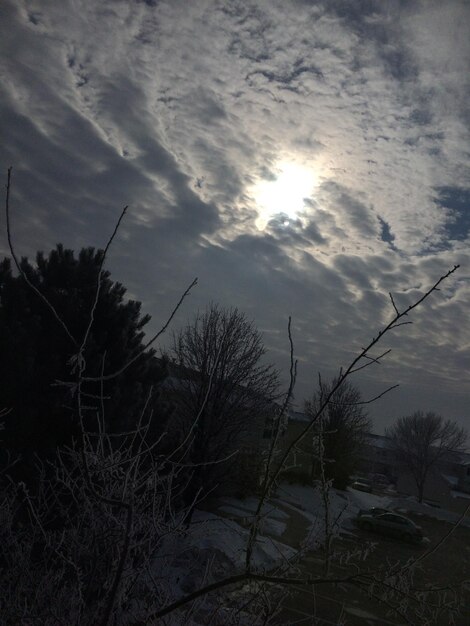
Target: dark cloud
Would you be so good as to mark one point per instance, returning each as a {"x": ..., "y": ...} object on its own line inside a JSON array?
[
  {"x": 289, "y": 79},
  {"x": 421, "y": 116},
  {"x": 386, "y": 234},
  {"x": 294, "y": 232},
  {"x": 312, "y": 233}
]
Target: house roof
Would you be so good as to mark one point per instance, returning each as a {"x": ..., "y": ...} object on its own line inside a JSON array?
[
  {"x": 455, "y": 456},
  {"x": 298, "y": 416},
  {"x": 463, "y": 458},
  {"x": 378, "y": 441}
]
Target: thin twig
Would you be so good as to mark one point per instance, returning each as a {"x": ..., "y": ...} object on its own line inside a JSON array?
[
  {"x": 147, "y": 345},
  {"x": 269, "y": 480},
  {"x": 371, "y": 361},
  {"x": 345, "y": 374},
  {"x": 20, "y": 269},
  {"x": 245, "y": 577},
  {"x": 98, "y": 283},
  {"x": 380, "y": 395},
  {"x": 441, "y": 541},
  {"x": 205, "y": 400},
  {"x": 393, "y": 302},
  {"x": 266, "y": 483}
]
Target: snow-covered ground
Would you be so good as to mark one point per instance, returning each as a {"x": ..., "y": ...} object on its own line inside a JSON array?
[
  {"x": 343, "y": 504},
  {"x": 214, "y": 546},
  {"x": 304, "y": 502},
  {"x": 225, "y": 532},
  {"x": 402, "y": 505},
  {"x": 216, "y": 533},
  {"x": 273, "y": 522}
]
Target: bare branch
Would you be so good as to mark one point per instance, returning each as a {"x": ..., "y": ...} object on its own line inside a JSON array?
[
  {"x": 98, "y": 283},
  {"x": 371, "y": 361},
  {"x": 393, "y": 303},
  {"x": 148, "y": 344},
  {"x": 20, "y": 269},
  {"x": 345, "y": 373},
  {"x": 380, "y": 395},
  {"x": 245, "y": 577},
  {"x": 266, "y": 482},
  {"x": 401, "y": 324}
]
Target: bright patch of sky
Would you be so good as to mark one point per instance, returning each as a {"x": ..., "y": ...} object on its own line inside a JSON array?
[{"x": 301, "y": 158}]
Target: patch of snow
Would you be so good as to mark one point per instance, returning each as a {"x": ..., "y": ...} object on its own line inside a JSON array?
[
  {"x": 273, "y": 521},
  {"x": 212, "y": 548},
  {"x": 236, "y": 512},
  {"x": 272, "y": 527},
  {"x": 309, "y": 499},
  {"x": 343, "y": 505},
  {"x": 460, "y": 494},
  {"x": 299, "y": 510},
  {"x": 250, "y": 505},
  {"x": 268, "y": 524},
  {"x": 369, "y": 618},
  {"x": 367, "y": 500},
  {"x": 228, "y": 537}
]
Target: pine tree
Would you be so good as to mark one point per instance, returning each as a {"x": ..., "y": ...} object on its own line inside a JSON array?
[{"x": 36, "y": 352}]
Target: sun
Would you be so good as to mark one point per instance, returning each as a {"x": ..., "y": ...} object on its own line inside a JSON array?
[{"x": 285, "y": 195}]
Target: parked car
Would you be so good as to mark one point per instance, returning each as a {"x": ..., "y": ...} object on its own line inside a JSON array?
[{"x": 390, "y": 524}]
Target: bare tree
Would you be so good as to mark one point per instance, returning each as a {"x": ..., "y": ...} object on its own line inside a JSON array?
[
  {"x": 223, "y": 388},
  {"x": 118, "y": 555},
  {"x": 344, "y": 424},
  {"x": 421, "y": 441}
]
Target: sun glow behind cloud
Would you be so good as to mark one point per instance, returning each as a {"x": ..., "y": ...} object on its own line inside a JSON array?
[
  {"x": 339, "y": 93},
  {"x": 285, "y": 195}
]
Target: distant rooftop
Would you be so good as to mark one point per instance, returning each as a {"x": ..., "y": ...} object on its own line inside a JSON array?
[
  {"x": 298, "y": 416},
  {"x": 379, "y": 441}
]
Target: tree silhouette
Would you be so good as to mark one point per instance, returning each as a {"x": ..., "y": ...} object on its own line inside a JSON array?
[
  {"x": 37, "y": 369},
  {"x": 421, "y": 441},
  {"x": 223, "y": 388},
  {"x": 340, "y": 430}
]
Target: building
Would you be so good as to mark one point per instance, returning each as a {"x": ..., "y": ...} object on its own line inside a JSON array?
[
  {"x": 299, "y": 464},
  {"x": 447, "y": 484},
  {"x": 236, "y": 435}
]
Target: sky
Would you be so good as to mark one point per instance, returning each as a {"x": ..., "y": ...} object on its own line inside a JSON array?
[{"x": 299, "y": 158}]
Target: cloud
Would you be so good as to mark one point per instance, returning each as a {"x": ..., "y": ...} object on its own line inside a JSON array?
[
  {"x": 179, "y": 110},
  {"x": 385, "y": 233}
]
